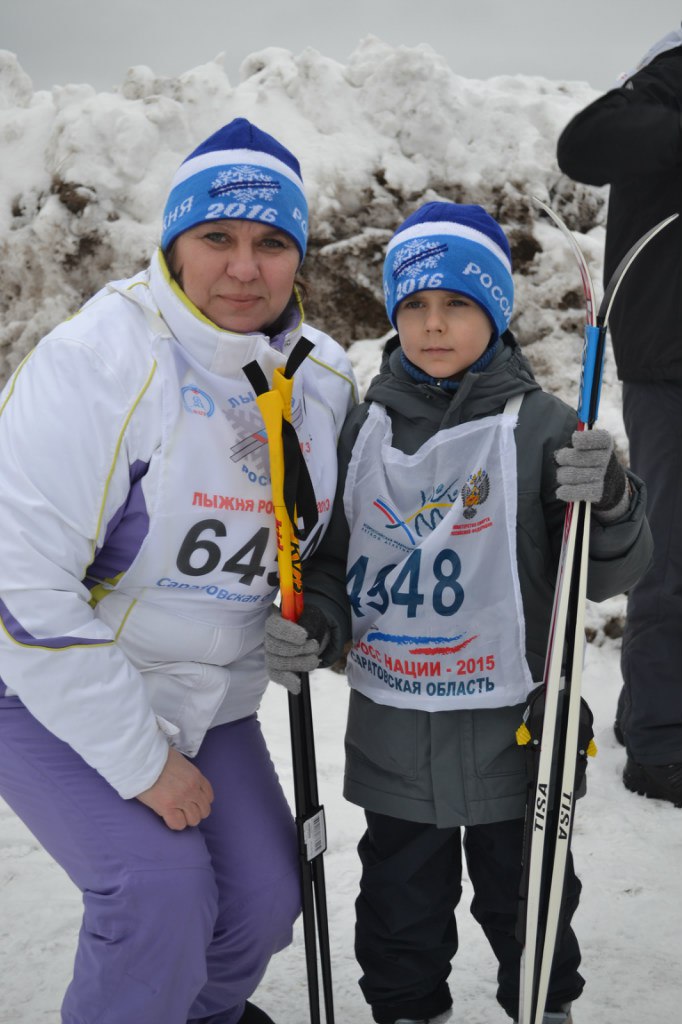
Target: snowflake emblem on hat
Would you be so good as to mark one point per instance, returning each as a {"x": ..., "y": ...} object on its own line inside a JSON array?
[
  {"x": 474, "y": 492},
  {"x": 244, "y": 182},
  {"x": 418, "y": 256}
]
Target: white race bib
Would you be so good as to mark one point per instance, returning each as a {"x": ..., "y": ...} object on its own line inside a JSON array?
[{"x": 432, "y": 577}]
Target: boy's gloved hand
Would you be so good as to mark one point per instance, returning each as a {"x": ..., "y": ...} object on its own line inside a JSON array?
[
  {"x": 294, "y": 647},
  {"x": 588, "y": 470}
]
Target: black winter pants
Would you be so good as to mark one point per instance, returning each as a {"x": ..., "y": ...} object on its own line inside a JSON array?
[
  {"x": 650, "y": 706},
  {"x": 406, "y": 934}
]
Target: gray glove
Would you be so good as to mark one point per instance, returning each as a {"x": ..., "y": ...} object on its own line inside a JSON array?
[
  {"x": 294, "y": 647},
  {"x": 588, "y": 470}
]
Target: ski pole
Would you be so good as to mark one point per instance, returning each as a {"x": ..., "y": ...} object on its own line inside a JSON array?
[
  {"x": 290, "y": 480},
  {"x": 303, "y": 737}
]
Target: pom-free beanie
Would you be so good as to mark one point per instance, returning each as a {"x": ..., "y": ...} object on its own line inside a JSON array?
[
  {"x": 238, "y": 173},
  {"x": 451, "y": 247}
]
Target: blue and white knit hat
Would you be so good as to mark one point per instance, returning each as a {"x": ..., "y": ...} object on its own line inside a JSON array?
[
  {"x": 238, "y": 173},
  {"x": 451, "y": 247}
]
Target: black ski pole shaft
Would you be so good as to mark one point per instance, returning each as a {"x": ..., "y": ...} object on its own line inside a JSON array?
[
  {"x": 317, "y": 864},
  {"x": 312, "y": 842},
  {"x": 302, "y": 804}
]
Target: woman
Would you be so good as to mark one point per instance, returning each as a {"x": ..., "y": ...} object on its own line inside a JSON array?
[{"x": 137, "y": 568}]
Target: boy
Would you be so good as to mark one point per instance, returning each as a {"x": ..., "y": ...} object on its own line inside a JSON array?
[{"x": 440, "y": 563}]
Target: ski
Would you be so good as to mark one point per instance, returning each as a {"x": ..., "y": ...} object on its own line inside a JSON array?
[{"x": 557, "y": 723}]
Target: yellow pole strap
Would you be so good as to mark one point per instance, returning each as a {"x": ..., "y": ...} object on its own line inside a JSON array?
[
  {"x": 275, "y": 408},
  {"x": 285, "y": 388},
  {"x": 272, "y": 410}
]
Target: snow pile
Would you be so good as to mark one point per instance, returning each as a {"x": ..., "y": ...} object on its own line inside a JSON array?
[{"x": 85, "y": 175}]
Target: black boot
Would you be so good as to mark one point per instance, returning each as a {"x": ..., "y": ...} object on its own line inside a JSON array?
[
  {"x": 658, "y": 781},
  {"x": 251, "y": 1015}
]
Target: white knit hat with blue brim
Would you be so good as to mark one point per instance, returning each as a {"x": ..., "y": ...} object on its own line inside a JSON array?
[
  {"x": 451, "y": 247},
  {"x": 238, "y": 173}
]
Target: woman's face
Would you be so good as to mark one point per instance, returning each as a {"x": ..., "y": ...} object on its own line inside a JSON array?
[{"x": 238, "y": 273}]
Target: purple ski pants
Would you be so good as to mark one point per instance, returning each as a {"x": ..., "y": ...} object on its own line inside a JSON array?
[{"x": 176, "y": 925}]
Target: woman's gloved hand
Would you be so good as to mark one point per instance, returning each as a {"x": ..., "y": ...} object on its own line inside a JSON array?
[
  {"x": 588, "y": 470},
  {"x": 294, "y": 647}
]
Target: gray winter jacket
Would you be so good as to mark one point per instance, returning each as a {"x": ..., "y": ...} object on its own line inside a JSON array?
[{"x": 464, "y": 767}]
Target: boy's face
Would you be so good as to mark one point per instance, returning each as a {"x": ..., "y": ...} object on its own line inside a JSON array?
[{"x": 441, "y": 332}]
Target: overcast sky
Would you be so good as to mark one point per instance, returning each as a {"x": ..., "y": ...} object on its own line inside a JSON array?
[{"x": 96, "y": 41}]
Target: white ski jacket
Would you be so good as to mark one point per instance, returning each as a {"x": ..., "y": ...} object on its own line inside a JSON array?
[{"x": 137, "y": 546}]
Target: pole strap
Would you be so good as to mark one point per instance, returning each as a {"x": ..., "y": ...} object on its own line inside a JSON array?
[{"x": 297, "y": 486}]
